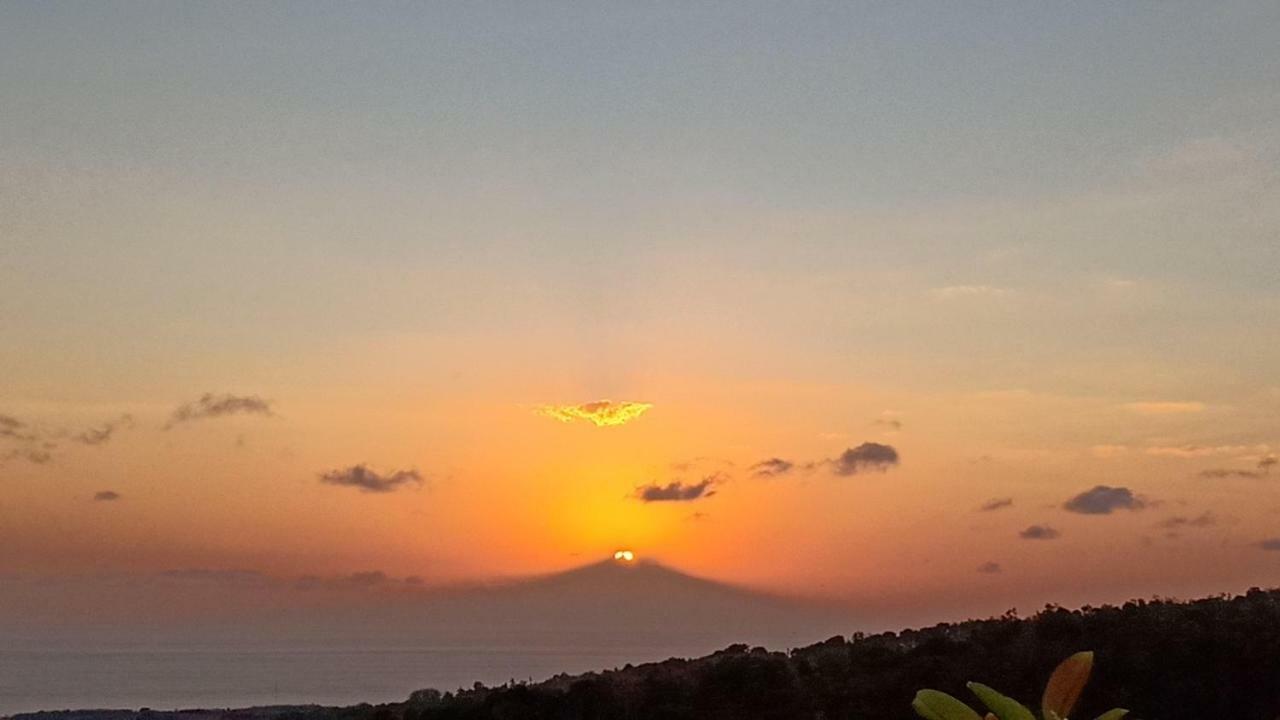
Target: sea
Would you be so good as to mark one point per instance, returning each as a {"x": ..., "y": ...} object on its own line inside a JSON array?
[{"x": 34, "y": 679}]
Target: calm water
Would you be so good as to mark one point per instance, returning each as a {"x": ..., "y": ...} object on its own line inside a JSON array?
[{"x": 58, "y": 679}]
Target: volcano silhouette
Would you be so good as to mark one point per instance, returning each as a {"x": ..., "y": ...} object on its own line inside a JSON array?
[{"x": 611, "y": 602}]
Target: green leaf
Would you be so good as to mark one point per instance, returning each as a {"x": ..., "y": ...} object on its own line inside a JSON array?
[
  {"x": 1064, "y": 686},
  {"x": 1115, "y": 714},
  {"x": 935, "y": 705},
  {"x": 1005, "y": 708}
]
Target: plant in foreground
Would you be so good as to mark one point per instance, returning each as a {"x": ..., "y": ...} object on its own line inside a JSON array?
[{"x": 1060, "y": 697}]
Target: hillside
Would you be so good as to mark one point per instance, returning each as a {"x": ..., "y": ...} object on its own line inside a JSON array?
[{"x": 1210, "y": 658}]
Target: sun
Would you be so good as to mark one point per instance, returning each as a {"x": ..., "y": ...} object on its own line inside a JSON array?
[{"x": 624, "y": 556}]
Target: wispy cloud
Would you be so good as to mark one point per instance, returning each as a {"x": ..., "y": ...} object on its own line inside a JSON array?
[
  {"x": 953, "y": 292},
  {"x": 106, "y": 496},
  {"x": 210, "y": 405},
  {"x": 1263, "y": 468},
  {"x": 990, "y": 568},
  {"x": 104, "y": 432},
  {"x": 1165, "y": 407},
  {"x": 38, "y": 444},
  {"x": 12, "y": 428},
  {"x": 1039, "y": 532},
  {"x": 601, "y": 413},
  {"x": 1202, "y": 520},
  {"x": 354, "y": 581},
  {"x": 772, "y": 467},
  {"x": 1193, "y": 451},
  {"x": 36, "y": 456},
  {"x": 1103, "y": 500},
  {"x": 678, "y": 491},
  {"x": 1272, "y": 544},
  {"x": 867, "y": 456},
  {"x": 995, "y": 504},
  {"x": 364, "y": 479}
]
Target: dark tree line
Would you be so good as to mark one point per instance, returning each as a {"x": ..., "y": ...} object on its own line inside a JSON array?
[
  {"x": 1164, "y": 660},
  {"x": 1213, "y": 659}
]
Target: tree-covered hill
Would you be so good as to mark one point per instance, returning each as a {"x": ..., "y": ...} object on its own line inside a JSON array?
[{"x": 1211, "y": 659}]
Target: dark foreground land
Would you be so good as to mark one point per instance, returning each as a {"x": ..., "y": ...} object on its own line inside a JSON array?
[{"x": 1209, "y": 659}]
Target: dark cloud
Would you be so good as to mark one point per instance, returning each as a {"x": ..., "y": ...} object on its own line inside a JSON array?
[
  {"x": 213, "y": 406},
  {"x": 772, "y": 467},
  {"x": 677, "y": 491},
  {"x": 102, "y": 433},
  {"x": 1270, "y": 544},
  {"x": 995, "y": 504},
  {"x": 1103, "y": 500},
  {"x": 366, "y": 480},
  {"x": 106, "y": 496},
  {"x": 1205, "y": 519},
  {"x": 867, "y": 456},
  {"x": 990, "y": 568},
  {"x": 1266, "y": 463},
  {"x": 1039, "y": 532}
]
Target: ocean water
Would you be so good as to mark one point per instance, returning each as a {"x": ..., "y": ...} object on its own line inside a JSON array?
[{"x": 171, "y": 679}]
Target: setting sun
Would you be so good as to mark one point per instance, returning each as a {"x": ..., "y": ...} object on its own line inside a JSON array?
[{"x": 625, "y": 556}]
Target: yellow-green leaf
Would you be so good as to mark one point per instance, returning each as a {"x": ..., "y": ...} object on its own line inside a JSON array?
[
  {"x": 1005, "y": 708},
  {"x": 1115, "y": 714},
  {"x": 1064, "y": 687},
  {"x": 935, "y": 705}
]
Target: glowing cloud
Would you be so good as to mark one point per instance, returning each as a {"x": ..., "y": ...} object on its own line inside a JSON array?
[{"x": 601, "y": 413}]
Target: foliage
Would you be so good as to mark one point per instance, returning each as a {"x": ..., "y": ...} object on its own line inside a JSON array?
[{"x": 1060, "y": 696}]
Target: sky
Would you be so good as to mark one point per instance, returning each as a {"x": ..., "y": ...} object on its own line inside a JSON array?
[{"x": 957, "y": 307}]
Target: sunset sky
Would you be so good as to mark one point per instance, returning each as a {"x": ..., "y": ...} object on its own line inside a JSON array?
[{"x": 955, "y": 306}]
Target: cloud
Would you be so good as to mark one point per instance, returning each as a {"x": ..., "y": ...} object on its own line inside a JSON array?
[
  {"x": 772, "y": 467},
  {"x": 37, "y": 456},
  {"x": 106, "y": 496},
  {"x": 37, "y": 444},
  {"x": 1102, "y": 500},
  {"x": 867, "y": 456},
  {"x": 1264, "y": 468},
  {"x": 952, "y": 292},
  {"x": 1108, "y": 451},
  {"x": 995, "y": 504},
  {"x": 1194, "y": 451},
  {"x": 1270, "y": 544},
  {"x": 888, "y": 419},
  {"x": 1164, "y": 407},
  {"x": 1205, "y": 519},
  {"x": 207, "y": 576},
  {"x": 354, "y": 581},
  {"x": 678, "y": 491},
  {"x": 1219, "y": 473},
  {"x": 1039, "y": 532},
  {"x": 366, "y": 480},
  {"x": 102, "y": 433},
  {"x": 214, "y": 406},
  {"x": 14, "y": 429},
  {"x": 990, "y": 568},
  {"x": 601, "y": 413}
]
